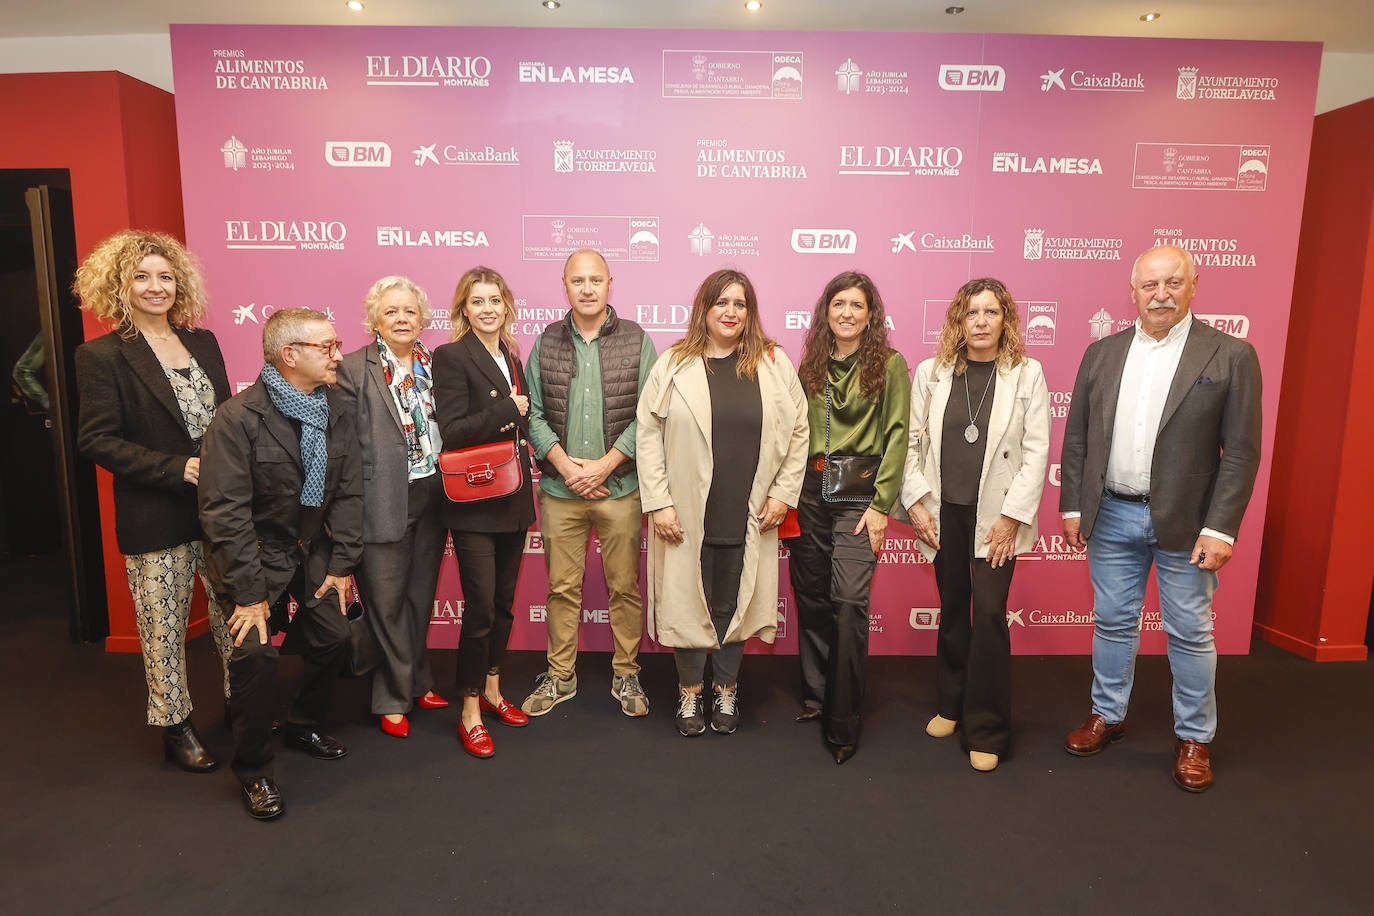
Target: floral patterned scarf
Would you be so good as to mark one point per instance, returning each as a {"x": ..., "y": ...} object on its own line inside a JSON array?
[{"x": 413, "y": 392}]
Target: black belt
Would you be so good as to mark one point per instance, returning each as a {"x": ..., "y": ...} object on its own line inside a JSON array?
[{"x": 1128, "y": 497}]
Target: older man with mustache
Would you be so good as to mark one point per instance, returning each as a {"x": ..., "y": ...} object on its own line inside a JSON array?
[{"x": 1160, "y": 454}]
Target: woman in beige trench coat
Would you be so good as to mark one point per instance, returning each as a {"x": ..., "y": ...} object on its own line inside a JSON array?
[{"x": 721, "y": 446}]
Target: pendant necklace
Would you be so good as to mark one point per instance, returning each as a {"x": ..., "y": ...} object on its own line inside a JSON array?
[{"x": 971, "y": 431}]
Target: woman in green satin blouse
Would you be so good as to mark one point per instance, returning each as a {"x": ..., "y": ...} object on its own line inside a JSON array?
[{"x": 859, "y": 397}]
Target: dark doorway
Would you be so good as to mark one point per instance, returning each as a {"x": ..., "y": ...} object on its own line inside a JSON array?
[{"x": 50, "y": 523}]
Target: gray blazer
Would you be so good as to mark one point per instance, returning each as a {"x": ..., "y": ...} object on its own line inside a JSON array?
[
  {"x": 1207, "y": 449},
  {"x": 364, "y": 394}
]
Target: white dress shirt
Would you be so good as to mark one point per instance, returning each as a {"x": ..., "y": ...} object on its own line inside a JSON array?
[{"x": 1145, "y": 381}]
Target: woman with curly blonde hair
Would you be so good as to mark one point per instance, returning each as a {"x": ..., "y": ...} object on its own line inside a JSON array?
[
  {"x": 148, "y": 390},
  {"x": 858, "y": 397},
  {"x": 975, "y": 469}
]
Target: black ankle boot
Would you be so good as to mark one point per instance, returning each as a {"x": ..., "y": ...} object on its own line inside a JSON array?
[{"x": 181, "y": 744}]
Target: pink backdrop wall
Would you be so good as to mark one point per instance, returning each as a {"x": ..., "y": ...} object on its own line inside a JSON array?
[{"x": 315, "y": 160}]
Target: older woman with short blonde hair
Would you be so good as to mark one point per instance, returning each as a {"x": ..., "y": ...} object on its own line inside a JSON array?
[{"x": 388, "y": 385}]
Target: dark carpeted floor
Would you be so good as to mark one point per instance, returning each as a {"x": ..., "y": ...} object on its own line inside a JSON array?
[{"x": 588, "y": 811}]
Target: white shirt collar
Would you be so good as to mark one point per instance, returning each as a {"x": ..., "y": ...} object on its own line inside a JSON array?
[{"x": 1177, "y": 331}]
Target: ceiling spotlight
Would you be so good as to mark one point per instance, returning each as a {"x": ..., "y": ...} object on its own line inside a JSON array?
[
  {"x": 355, "y": 5},
  {"x": 1150, "y": 17},
  {"x": 753, "y": 6},
  {"x": 954, "y": 10},
  {"x": 550, "y": 4}
]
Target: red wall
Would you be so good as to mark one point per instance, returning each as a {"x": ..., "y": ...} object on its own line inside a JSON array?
[
  {"x": 1316, "y": 569},
  {"x": 117, "y": 137}
]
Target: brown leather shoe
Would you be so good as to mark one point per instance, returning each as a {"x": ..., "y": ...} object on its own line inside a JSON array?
[
  {"x": 1093, "y": 735},
  {"x": 1193, "y": 767}
]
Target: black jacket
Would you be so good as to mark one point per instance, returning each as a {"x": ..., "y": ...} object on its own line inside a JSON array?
[
  {"x": 473, "y": 404},
  {"x": 129, "y": 423},
  {"x": 250, "y": 500}
]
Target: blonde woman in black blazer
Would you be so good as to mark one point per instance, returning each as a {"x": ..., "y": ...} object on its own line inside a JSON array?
[
  {"x": 480, "y": 392},
  {"x": 147, "y": 391}
]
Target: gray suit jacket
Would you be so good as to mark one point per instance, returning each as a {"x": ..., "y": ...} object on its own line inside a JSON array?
[
  {"x": 1206, "y": 450},
  {"x": 364, "y": 394}
]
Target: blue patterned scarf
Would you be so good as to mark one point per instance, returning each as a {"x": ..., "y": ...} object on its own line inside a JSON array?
[{"x": 312, "y": 410}]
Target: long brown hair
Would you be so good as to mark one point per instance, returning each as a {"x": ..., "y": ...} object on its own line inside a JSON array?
[
  {"x": 953, "y": 350},
  {"x": 820, "y": 341},
  {"x": 753, "y": 343},
  {"x": 458, "y": 312}
]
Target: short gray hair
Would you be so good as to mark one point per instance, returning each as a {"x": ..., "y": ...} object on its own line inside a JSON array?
[
  {"x": 373, "y": 300},
  {"x": 284, "y": 328}
]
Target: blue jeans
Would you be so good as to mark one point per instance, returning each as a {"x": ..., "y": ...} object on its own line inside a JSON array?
[{"x": 1120, "y": 552}]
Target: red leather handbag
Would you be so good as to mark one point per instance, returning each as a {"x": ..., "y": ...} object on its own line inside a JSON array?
[
  {"x": 485, "y": 471},
  {"x": 481, "y": 471}
]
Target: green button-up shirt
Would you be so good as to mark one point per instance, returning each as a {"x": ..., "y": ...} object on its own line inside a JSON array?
[{"x": 584, "y": 437}]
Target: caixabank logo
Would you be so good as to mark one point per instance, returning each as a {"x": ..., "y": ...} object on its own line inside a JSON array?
[
  {"x": 1091, "y": 80},
  {"x": 285, "y": 235},
  {"x": 428, "y": 70}
]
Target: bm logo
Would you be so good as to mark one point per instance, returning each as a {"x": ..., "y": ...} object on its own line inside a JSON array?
[
  {"x": 972, "y": 78},
  {"x": 357, "y": 153},
  {"x": 824, "y": 241},
  {"x": 1235, "y": 325}
]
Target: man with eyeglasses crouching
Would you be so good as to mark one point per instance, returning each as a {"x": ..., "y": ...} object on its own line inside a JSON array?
[{"x": 281, "y": 503}]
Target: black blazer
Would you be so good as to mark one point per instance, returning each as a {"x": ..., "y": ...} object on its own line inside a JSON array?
[
  {"x": 473, "y": 404},
  {"x": 129, "y": 423}
]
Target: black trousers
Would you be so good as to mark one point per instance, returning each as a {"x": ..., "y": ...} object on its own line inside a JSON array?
[
  {"x": 832, "y": 571},
  {"x": 319, "y": 634},
  {"x": 488, "y": 565},
  {"x": 973, "y": 650},
  {"x": 721, "y": 569}
]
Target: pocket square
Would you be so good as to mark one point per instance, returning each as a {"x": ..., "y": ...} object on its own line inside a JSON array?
[{"x": 1203, "y": 380}]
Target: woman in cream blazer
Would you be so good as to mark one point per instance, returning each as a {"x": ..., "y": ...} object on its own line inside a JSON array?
[{"x": 975, "y": 469}]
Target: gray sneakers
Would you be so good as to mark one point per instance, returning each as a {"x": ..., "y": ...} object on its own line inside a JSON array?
[
  {"x": 725, "y": 710},
  {"x": 548, "y": 692},
  {"x": 626, "y": 689},
  {"x": 691, "y": 717}
]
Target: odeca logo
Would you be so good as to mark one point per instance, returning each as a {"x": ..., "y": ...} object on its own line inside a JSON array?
[
  {"x": 972, "y": 77},
  {"x": 357, "y": 153},
  {"x": 824, "y": 241}
]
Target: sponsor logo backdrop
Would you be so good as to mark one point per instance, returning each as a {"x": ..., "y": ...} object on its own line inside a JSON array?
[{"x": 315, "y": 160}]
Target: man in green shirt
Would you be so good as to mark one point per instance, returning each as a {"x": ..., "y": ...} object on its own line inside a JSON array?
[{"x": 585, "y": 374}]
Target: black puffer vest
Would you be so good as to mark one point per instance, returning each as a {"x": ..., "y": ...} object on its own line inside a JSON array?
[{"x": 619, "y": 342}]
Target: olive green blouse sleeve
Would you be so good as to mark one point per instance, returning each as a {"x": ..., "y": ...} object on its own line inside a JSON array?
[{"x": 893, "y": 415}]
